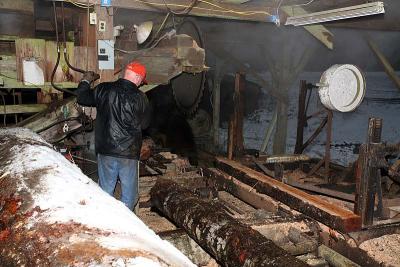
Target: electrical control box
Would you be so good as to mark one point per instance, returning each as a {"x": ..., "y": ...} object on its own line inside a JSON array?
[
  {"x": 102, "y": 26},
  {"x": 105, "y": 54},
  {"x": 93, "y": 18}
]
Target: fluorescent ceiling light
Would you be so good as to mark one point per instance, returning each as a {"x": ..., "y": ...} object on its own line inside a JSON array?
[{"x": 368, "y": 9}]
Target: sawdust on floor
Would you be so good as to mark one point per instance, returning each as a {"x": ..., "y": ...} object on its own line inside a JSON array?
[{"x": 385, "y": 249}]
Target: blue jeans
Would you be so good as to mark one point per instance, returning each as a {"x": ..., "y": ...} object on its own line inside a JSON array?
[{"x": 110, "y": 168}]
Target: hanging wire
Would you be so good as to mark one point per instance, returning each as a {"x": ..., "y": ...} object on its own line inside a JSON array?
[
  {"x": 65, "y": 42},
  {"x": 181, "y": 12},
  {"x": 217, "y": 8},
  {"x": 58, "y": 57},
  {"x": 162, "y": 26},
  {"x": 305, "y": 4},
  {"x": 87, "y": 6},
  {"x": 87, "y": 36}
]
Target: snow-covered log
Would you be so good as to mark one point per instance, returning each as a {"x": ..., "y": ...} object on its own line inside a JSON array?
[{"x": 51, "y": 214}]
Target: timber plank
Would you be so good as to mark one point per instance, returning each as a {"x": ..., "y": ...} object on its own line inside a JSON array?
[
  {"x": 241, "y": 190},
  {"x": 24, "y": 108},
  {"x": 212, "y": 9},
  {"x": 313, "y": 206}
]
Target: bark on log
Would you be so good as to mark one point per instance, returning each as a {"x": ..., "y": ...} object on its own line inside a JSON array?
[
  {"x": 231, "y": 243},
  {"x": 51, "y": 214}
]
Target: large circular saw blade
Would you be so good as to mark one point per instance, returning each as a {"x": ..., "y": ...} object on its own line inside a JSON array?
[{"x": 187, "y": 87}]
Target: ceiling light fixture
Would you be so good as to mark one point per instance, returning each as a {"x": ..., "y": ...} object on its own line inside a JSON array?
[{"x": 368, "y": 9}]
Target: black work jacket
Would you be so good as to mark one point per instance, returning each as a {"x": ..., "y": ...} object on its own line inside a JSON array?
[{"x": 122, "y": 113}]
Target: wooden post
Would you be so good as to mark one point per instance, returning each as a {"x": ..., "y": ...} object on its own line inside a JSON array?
[
  {"x": 104, "y": 14},
  {"x": 238, "y": 114},
  {"x": 270, "y": 129},
  {"x": 216, "y": 103},
  {"x": 301, "y": 117},
  {"x": 368, "y": 174},
  {"x": 235, "y": 129},
  {"x": 231, "y": 141},
  {"x": 328, "y": 145},
  {"x": 281, "y": 128}
]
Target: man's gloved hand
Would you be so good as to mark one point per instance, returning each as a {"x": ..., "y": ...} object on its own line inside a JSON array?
[{"x": 90, "y": 76}]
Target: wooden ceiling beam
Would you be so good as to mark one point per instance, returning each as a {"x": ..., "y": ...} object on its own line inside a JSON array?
[
  {"x": 19, "y": 6},
  {"x": 209, "y": 8}
]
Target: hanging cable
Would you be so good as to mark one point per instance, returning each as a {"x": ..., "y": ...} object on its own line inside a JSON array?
[
  {"x": 87, "y": 36},
  {"x": 56, "y": 123},
  {"x": 305, "y": 4},
  {"x": 181, "y": 12},
  {"x": 87, "y": 6},
  {"x": 58, "y": 57},
  {"x": 65, "y": 42},
  {"x": 220, "y": 9},
  {"x": 162, "y": 26}
]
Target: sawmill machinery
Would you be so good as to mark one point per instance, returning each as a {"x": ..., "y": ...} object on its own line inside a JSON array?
[{"x": 172, "y": 55}]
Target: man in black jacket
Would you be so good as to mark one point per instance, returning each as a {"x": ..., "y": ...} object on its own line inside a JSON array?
[{"x": 122, "y": 113}]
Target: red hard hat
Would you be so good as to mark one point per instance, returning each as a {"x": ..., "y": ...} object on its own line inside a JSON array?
[{"x": 138, "y": 68}]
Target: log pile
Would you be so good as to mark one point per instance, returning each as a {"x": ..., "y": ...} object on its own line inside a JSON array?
[
  {"x": 229, "y": 241},
  {"x": 53, "y": 215}
]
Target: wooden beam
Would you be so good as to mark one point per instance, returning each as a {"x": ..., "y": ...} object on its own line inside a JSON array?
[
  {"x": 313, "y": 206},
  {"x": 320, "y": 32},
  {"x": 11, "y": 82},
  {"x": 385, "y": 64},
  {"x": 20, "y": 6},
  {"x": 280, "y": 136},
  {"x": 301, "y": 118},
  {"x": 211, "y": 8},
  {"x": 323, "y": 191},
  {"x": 334, "y": 258},
  {"x": 238, "y": 114},
  {"x": 24, "y": 108},
  {"x": 268, "y": 133},
  {"x": 241, "y": 190},
  {"x": 216, "y": 94}
]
